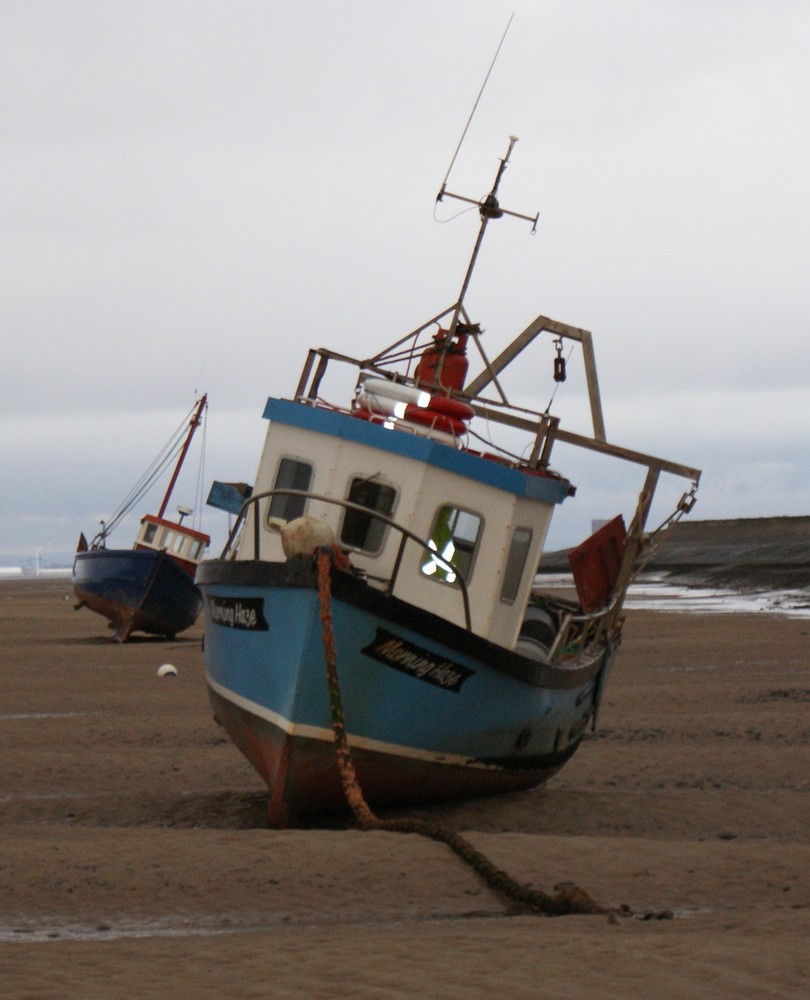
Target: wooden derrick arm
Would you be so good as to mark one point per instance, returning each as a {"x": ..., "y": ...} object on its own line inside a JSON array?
[{"x": 545, "y": 325}]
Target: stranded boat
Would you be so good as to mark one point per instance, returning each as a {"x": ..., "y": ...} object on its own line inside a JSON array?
[
  {"x": 454, "y": 679},
  {"x": 150, "y": 587}
]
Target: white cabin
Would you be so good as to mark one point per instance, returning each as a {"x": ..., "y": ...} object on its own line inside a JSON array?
[{"x": 485, "y": 516}]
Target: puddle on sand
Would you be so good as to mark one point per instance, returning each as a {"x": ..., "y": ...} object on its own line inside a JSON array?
[
  {"x": 655, "y": 593},
  {"x": 167, "y": 928},
  {"x": 8, "y": 717},
  {"x": 108, "y": 932}
]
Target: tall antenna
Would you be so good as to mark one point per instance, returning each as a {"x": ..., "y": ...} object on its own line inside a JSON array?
[{"x": 480, "y": 92}]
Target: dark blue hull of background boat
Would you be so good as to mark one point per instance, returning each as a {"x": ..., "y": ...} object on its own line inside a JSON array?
[{"x": 136, "y": 590}]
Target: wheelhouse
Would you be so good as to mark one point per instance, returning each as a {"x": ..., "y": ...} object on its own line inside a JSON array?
[
  {"x": 185, "y": 545},
  {"x": 370, "y": 483}
]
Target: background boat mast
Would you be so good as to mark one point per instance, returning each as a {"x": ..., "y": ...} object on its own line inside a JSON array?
[{"x": 195, "y": 421}]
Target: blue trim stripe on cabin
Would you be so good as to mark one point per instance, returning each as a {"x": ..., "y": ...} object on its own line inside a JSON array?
[{"x": 421, "y": 449}]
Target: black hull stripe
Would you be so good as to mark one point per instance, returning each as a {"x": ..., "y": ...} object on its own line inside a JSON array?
[{"x": 393, "y": 611}]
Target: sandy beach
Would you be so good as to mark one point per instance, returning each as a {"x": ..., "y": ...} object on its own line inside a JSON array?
[{"x": 135, "y": 860}]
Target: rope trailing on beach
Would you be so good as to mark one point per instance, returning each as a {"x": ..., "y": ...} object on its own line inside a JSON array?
[{"x": 567, "y": 900}]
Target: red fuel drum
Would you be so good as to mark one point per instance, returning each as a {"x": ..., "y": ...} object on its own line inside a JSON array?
[{"x": 444, "y": 363}]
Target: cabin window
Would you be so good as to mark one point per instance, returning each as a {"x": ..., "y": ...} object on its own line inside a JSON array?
[
  {"x": 196, "y": 550},
  {"x": 291, "y": 475},
  {"x": 454, "y": 537},
  {"x": 364, "y": 531},
  {"x": 149, "y": 533},
  {"x": 515, "y": 564},
  {"x": 177, "y": 542}
]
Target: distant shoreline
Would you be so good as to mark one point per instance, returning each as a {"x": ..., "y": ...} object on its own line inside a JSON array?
[
  {"x": 744, "y": 554},
  {"x": 758, "y": 553},
  {"x": 14, "y": 574}
]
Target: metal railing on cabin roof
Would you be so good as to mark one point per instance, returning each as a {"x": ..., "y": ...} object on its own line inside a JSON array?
[
  {"x": 406, "y": 534},
  {"x": 542, "y": 426}
]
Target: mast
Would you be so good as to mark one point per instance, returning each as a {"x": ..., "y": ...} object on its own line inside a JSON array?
[
  {"x": 195, "y": 422},
  {"x": 488, "y": 208}
]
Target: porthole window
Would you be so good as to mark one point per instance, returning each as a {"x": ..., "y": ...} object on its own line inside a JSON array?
[{"x": 454, "y": 537}]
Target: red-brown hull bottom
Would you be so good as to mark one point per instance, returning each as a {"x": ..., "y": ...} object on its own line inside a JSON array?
[
  {"x": 303, "y": 779},
  {"x": 123, "y": 619}
]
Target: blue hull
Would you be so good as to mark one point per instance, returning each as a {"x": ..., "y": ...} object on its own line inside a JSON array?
[
  {"x": 136, "y": 590},
  {"x": 432, "y": 711}
]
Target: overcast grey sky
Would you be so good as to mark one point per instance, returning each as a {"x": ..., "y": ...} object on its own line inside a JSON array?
[{"x": 195, "y": 192}]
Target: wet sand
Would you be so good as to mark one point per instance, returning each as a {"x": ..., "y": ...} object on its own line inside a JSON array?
[{"x": 135, "y": 861}]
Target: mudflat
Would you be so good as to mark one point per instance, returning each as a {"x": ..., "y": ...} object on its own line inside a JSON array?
[{"x": 135, "y": 860}]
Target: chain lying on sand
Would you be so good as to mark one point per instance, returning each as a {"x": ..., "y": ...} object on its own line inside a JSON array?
[{"x": 567, "y": 899}]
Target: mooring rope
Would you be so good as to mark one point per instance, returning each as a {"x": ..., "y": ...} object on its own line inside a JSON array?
[{"x": 565, "y": 901}]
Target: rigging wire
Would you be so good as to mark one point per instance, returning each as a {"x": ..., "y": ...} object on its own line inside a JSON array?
[
  {"x": 142, "y": 487},
  {"x": 463, "y": 211},
  {"x": 557, "y": 384},
  {"x": 154, "y": 471},
  {"x": 495, "y": 447}
]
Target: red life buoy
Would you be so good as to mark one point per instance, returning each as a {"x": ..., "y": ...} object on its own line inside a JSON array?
[
  {"x": 455, "y": 408},
  {"x": 428, "y": 417}
]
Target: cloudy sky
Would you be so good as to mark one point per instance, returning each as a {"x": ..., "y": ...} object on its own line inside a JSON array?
[{"x": 196, "y": 191}]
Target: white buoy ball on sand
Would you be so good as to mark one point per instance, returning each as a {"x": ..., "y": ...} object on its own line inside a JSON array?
[{"x": 167, "y": 670}]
